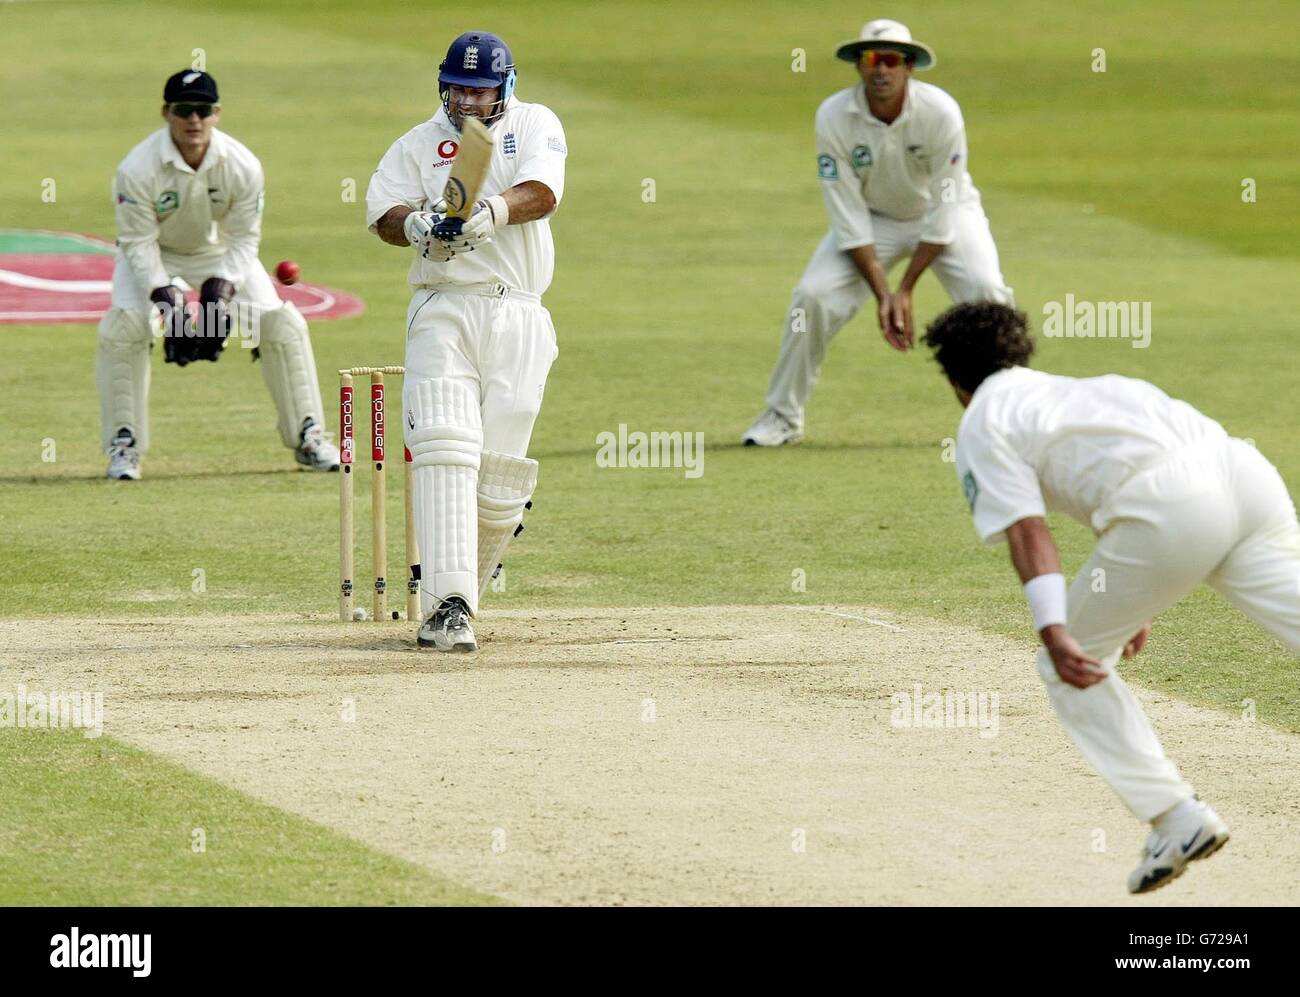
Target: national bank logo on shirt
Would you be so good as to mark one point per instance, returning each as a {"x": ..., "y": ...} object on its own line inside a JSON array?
[
  {"x": 861, "y": 156},
  {"x": 168, "y": 201},
  {"x": 826, "y": 168},
  {"x": 971, "y": 489}
]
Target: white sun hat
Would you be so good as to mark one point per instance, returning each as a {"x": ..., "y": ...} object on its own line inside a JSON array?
[{"x": 887, "y": 34}]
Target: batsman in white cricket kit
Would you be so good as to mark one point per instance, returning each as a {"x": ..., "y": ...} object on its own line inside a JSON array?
[
  {"x": 189, "y": 209},
  {"x": 1173, "y": 500},
  {"x": 479, "y": 343},
  {"x": 893, "y": 188}
]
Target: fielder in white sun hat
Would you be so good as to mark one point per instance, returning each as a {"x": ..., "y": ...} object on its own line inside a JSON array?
[{"x": 886, "y": 34}]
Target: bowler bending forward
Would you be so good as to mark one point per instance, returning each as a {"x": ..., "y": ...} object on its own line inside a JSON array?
[
  {"x": 1174, "y": 501},
  {"x": 189, "y": 206},
  {"x": 891, "y": 154},
  {"x": 479, "y": 343}
]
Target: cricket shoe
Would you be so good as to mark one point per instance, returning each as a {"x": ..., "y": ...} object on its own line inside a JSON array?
[
  {"x": 1190, "y": 831},
  {"x": 772, "y": 429},
  {"x": 315, "y": 451},
  {"x": 123, "y": 457},
  {"x": 448, "y": 628}
]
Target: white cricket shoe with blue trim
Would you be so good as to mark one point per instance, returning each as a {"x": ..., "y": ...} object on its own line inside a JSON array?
[{"x": 1190, "y": 831}]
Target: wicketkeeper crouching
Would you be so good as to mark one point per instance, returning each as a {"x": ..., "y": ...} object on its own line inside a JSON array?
[{"x": 189, "y": 207}]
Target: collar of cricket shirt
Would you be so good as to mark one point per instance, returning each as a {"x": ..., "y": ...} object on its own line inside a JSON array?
[
  {"x": 863, "y": 108},
  {"x": 1000, "y": 380},
  {"x": 171, "y": 154}
]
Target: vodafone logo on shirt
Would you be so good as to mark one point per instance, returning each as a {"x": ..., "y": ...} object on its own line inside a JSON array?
[{"x": 447, "y": 149}]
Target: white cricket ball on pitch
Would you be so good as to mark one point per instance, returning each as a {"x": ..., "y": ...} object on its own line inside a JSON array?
[{"x": 359, "y": 613}]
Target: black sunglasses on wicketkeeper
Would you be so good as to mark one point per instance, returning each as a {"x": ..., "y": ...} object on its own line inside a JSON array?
[{"x": 185, "y": 110}]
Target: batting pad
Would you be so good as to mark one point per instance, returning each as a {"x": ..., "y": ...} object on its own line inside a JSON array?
[
  {"x": 505, "y": 484},
  {"x": 289, "y": 370},
  {"x": 445, "y": 437},
  {"x": 122, "y": 374}
]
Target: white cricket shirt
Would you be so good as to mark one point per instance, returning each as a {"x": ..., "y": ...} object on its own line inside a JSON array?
[
  {"x": 1031, "y": 442},
  {"x": 914, "y": 167},
  {"x": 163, "y": 204},
  {"x": 528, "y": 145}
]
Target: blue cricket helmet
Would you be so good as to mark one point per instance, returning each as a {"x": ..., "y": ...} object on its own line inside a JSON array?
[{"x": 478, "y": 59}]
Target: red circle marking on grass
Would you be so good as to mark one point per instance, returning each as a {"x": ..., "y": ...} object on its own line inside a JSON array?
[{"x": 63, "y": 277}]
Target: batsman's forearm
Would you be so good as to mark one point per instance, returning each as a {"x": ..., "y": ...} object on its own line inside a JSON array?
[
  {"x": 926, "y": 253},
  {"x": 868, "y": 264},
  {"x": 390, "y": 227},
  {"x": 529, "y": 201}
]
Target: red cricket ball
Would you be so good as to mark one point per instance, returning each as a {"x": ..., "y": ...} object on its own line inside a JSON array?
[{"x": 287, "y": 271}]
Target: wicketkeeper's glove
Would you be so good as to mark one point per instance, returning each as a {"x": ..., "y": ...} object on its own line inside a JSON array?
[
  {"x": 213, "y": 325},
  {"x": 178, "y": 348}
]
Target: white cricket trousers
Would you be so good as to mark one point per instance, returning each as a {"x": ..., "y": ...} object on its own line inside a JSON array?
[
  {"x": 1217, "y": 512},
  {"x": 476, "y": 366},
  {"x": 500, "y": 346},
  {"x": 832, "y": 290}
]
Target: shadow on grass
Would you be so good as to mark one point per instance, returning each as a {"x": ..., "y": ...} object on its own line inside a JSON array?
[{"x": 65, "y": 479}]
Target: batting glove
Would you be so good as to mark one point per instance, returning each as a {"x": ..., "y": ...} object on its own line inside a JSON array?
[
  {"x": 438, "y": 251},
  {"x": 419, "y": 227},
  {"x": 488, "y": 216}
]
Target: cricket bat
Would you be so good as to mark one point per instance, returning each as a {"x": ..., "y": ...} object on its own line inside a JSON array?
[{"x": 469, "y": 169}]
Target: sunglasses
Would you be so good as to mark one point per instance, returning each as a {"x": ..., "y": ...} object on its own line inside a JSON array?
[
  {"x": 185, "y": 110},
  {"x": 875, "y": 57}
]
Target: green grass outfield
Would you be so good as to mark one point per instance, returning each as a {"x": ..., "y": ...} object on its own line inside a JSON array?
[
  {"x": 1123, "y": 185},
  {"x": 90, "y": 821}
]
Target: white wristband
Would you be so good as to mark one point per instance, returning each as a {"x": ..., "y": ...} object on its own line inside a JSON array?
[
  {"x": 411, "y": 219},
  {"x": 1046, "y": 595},
  {"x": 500, "y": 210}
]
